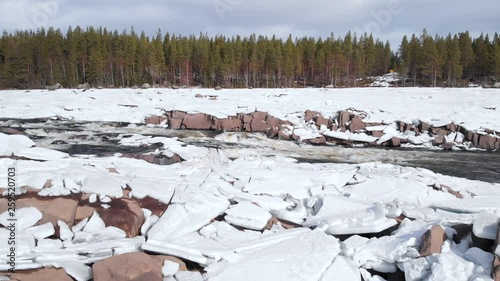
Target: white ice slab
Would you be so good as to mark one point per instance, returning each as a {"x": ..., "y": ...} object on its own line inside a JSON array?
[
  {"x": 41, "y": 231},
  {"x": 471, "y": 205},
  {"x": 380, "y": 254},
  {"x": 305, "y": 257},
  {"x": 480, "y": 258},
  {"x": 155, "y": 188},
  {"x": 40, "y": 153},
  {"x": 78, "y": 270},
  {"x": 248, "y": 215},
  {"x": 486, "y": 225},
  {"x": 449, "y": 266},
  {"x": 104, "y": 184},
  {"x": 181, "y": 219},
  {"x": 169, "y": 268},
  {"x": 95, "y": 224},
  {"x": 341, "y": 270},
  {"x": 401, "y": 189},
  {"x": 12, "y": 143},
  {"x": 340, "y": 216},
  {"x": 188, "y": 276},
  {"x": 26, "y": 218}
]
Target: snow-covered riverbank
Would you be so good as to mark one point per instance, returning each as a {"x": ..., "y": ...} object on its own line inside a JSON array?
[
  {"x": 389, "y": 116},
  {"x": 180, "y": 210}
]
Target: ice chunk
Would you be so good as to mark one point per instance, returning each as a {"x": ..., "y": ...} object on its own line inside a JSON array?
[
  {"x": 188, "y": 276},
  {"x": 341, "y": 270},
  {"x": 304, "y": 257},
  {"x": 43, "y": 245},
  {"x": 450, "y": 266},
  {"x": 404, "y": 190},
  {"x": 39, "y": 153},
  {"x": 149, "y": 222},
  {"x": 181, "y": 219},
  {"x": 79, "y": 226},
  {"x": 486, "y": 225},
  {"x": 78, "y": 270},
  {"x": 12, "y": 143},
  {"x": 470, "y": 205},
  {"x": 41, "y": 231},
  {"x": 104, "y": 184},
  {"x": 64, "y": 232},
  {"x": 94, "y": 224},
  {"x": 108, "y": 233},
  {"x": 169, "y": 268},
  {"x": 381, "y": 254},
  {"x": 172, "y": 249},
  {"x": 159, "y": 189},
  {"x": 248, "y": 215},
  {"x": 26, "y": 218},
  {"x": 480, "y": 258},
  {"x": 340, "y": 216}
]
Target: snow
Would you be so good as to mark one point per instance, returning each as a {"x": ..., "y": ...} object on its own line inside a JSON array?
[
  {"x": 467, "y": 106},
  {"x": 358, "y": 137},
  {"x": 386, "y": 80}
]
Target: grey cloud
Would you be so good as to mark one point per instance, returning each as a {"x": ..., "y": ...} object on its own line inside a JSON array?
[{"x": 280, "y": 17}]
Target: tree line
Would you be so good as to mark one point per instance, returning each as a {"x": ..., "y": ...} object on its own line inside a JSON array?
[{"x": 35, "y": 59}]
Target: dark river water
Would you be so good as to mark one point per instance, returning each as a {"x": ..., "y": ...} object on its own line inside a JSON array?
[{"x": 101, "y": 139}]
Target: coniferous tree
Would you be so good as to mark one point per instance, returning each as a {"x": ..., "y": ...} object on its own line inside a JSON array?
[
  {"x": 453, "y": 69},
  {"x": 34, "y": 59},
  {"x": 466, "y": 54}
]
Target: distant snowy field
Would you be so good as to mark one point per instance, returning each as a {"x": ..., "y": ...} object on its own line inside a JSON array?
[{"x": 473, "y": 108}]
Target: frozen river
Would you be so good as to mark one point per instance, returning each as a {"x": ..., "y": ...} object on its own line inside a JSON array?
[{"x": 102, "y": 139}]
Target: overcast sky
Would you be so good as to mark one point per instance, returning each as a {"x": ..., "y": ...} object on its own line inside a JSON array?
[{"x": 387, "y": 19}]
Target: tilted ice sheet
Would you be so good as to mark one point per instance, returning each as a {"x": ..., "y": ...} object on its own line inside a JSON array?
[
  {"x": 304, "y": 257},
  {"x": 181, "y": 219},
  {"x": 400, "y": 189}
]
